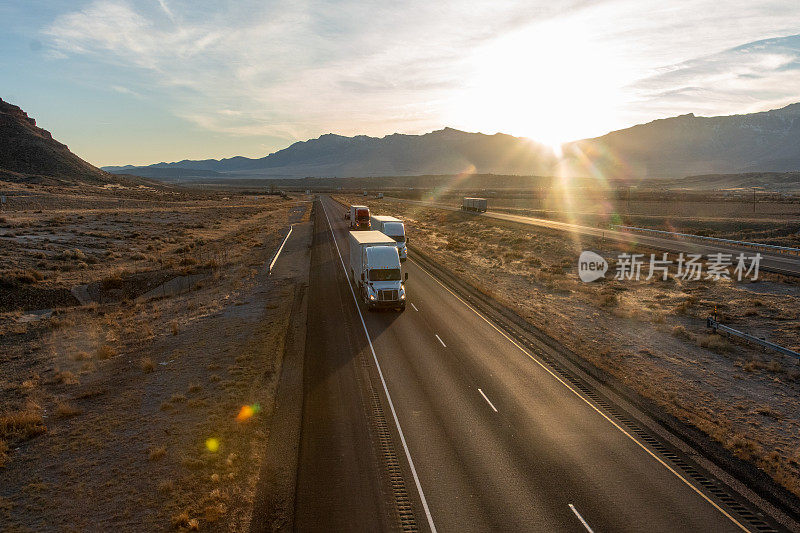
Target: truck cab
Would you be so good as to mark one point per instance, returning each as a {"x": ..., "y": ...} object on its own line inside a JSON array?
[
  {"x": 394, "y": 228},
  {"x": 359, "y": 217}
]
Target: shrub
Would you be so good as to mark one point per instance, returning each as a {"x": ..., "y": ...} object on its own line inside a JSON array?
[
  {"x": 65, "y": 410},
  {"x": 106, "y": 352},
  {"x": 24, "y": 424},
  {"x": 715, "y": 343},
  {"x": 147, "y": 365},
  {"x": 154, "y": 454}
]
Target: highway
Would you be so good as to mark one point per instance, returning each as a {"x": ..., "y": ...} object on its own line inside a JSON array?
[
  {"x": 772, "y": 262},
  {"x": 435, "y": 419}
]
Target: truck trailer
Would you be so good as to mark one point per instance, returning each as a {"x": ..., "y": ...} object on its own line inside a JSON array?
[
  {"x": 474, "y": 204},
  {"x": 394, "y": 228},
  {"x": 375, "y": 270}
]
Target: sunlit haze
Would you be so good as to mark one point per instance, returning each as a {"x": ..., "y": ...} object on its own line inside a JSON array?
[{"x": 141, "y": 82}]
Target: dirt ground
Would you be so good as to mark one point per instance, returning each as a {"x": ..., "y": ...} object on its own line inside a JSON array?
[
  {"x": 145, "y": 406},
  {"x": 650, "y": 334}
]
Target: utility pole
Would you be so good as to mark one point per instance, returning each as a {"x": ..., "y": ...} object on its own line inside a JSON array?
[{"x": 754, "y": 199}]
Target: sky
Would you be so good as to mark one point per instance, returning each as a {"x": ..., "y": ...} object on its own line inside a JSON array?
[{"x": 138, "y": 82}]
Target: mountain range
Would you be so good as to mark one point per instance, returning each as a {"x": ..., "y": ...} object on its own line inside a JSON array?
[{"x": 679, "y": 146}]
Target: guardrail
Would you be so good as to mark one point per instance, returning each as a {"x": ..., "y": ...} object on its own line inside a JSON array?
[
  {"x": 716, "y": 326},
  {"x": 746, "y": 244},
  {"x": 275, "y": 257}
]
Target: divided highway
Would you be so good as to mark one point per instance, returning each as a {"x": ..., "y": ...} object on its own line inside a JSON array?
[
  {"x": 486, "y": 437},
  {"x": 772, "y": 262}
]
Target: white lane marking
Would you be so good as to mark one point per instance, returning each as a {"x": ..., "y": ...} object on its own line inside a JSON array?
[
  {"x": 488, "y": 400},
  {"x": 585, "y": 524},
  {"x": 414, "y": 306},
  {"x": 383, "y": 382},
  {"x": 272, "y": 263},
  {"x": 589, "y": 403},
  {"x": 440, "y": 340}
]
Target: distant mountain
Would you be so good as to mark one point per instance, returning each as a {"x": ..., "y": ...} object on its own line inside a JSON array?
[
  {"x": 27, "y": 151},
  {"x": 672, "y": 147},
  {"x": 446, "y": 151},
  {"x": 688, "y": 145}
]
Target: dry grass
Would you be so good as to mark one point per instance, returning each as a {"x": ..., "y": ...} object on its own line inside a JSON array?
[
  {"x": 105, "y": 351},
  {"x": 147, "y": 365},
  {"x": 65, "y": 410},
  {"x": 22, "y": 425},
  {"x": 3, "y": 453},
  {"x": 177, "y": 398},
  {"x": 715, "y": 343},
  {"x": 80, "y": 356},
  {"x": 173, "y": 326},
  {"x": 156, "y": 453},
  {"x": 184, "y": 522},
  {"x": 66, "y": 377}
]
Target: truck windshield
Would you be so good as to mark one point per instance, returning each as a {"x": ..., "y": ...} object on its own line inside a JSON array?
[
  {"x": 395, "y": 230},
  {"x": 385, "y": 274}
]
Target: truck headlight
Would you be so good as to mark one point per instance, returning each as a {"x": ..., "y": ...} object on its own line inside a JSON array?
[
  {"x": 371, "y": 296},
  {"x": 402, "y": 296}
]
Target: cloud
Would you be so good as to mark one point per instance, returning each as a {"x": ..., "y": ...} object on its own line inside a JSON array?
[
  {"x": 750, "y": 77},
  {"x": 301, "y": 67},
  {"x": 298, "y": 69}
]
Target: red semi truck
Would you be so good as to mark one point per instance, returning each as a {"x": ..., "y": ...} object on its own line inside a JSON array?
[{"x": 359, "y": 217}]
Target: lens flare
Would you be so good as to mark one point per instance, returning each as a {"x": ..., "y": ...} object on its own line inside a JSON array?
[
  {"x": 212, "y": 444},
  {"x": 247, "y": 412}
]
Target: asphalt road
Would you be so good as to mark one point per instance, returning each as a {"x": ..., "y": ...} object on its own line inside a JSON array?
[
  {"x": 489, "y": 438},
  {"x": 779, "y": 263}
]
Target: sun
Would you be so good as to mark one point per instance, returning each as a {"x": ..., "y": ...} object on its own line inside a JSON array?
[{"x": 550, "y": 82}]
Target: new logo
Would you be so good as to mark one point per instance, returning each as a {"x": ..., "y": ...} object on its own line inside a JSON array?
[{"x": 591, "y": 266}]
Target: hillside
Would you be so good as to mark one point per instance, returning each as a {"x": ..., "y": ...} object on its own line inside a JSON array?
[
  {"x": 679, "y": 146},
  {"x": 28, "y": 152}
]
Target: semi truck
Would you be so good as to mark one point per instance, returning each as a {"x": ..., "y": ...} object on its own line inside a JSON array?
[
  {"x": 358, "y": 215},
  {"x": 394, "y": 228},
  {"x": 474, "y": 204},
  {"x": 375, "y": 270}
]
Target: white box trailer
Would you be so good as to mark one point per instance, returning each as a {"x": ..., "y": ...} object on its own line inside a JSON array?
[
  {"x": 376, "y": 271},
  {"x": 474, "y": 204},
  {"x": 394, "y": 228}
]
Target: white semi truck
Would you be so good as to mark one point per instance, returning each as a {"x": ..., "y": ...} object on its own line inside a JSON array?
[
  {"x": 394, "y": 228},
  {"x": 375, "y": 270},
  {"x": 474, "y": 204}
]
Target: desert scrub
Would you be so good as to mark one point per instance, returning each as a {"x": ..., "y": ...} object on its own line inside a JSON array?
[
  {"x": 147, "y": 365},
  {"x": 15, "y": 278},
  {"x": 24, "y": 424},
  {"x": 65, "y": 410},
  {"x": 105, "y": 351},
  {"x": 715, "y": 343}
]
